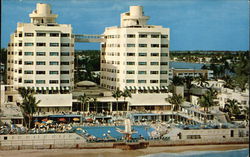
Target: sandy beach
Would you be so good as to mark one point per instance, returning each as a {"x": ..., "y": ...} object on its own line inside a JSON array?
[{"x": 116, "y": 152}]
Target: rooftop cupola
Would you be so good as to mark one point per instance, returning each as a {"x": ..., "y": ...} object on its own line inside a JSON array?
[
  {"x": 135, "y": 17},
  {"x": 43, "y": 14}
]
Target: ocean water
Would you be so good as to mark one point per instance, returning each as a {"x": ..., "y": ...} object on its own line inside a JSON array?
[
  {"x": 185, "y": 65},
  {"x": 230, "y": 153}
]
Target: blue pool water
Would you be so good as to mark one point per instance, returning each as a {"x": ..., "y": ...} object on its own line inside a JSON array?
[
  {"x": 230, "y": 153},
  {"x": 99, "y": 131}
]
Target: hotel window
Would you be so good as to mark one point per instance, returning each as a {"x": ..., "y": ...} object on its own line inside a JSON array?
[
  {"x": 154, "y": 63},
  {"x": 164, "y": 36},
  {"x": 41, "y": 34},
  {"x": 54, "y": 34},
  {"x": 164, "y": 63},
  {"x": 142, "y": 72},
  {"x": 64, "y": 53},
  {"x": 164, "y": 54},
  {"x": 163, "y": 81},
  {"x": 28, "y": 62},
  {"x": 64, "y": 81},
  {"x": 154, "y": 72},
  {"x": 164, "y": 72},
  {"x": 154, "y": 45},
  {"x": 130, "y": 54},
  {"x": 53, "y": 63},
  {"x": 153, "y": 81},
  {"x": 40, "y": 72},
  {"x": 154, "y": 54},
  {"x": 40, "y": 63},
  {"x": 28, "y": 53},
  {"x": 40, "y": 44},
  {"x": 53, "y": 44},
  {"x": 155, "y": 36},
  {"x": 130, "y": 45},
  {"x": 64, "y": 63},
  {"x": 54, "y": 54},
  {"x": 142, "y": 81},
  {"x": 28, "y": 81},
  {"x": 28, "y": 34},
  {"x": 142, "y": 63},
  {"x": 143, "y": 36},
  {"x": 130, "y": 35},
  {"x": 164, "y": 45},
  {"x": 142, "y": 54},
  {"x": 142, "y": 45},
  {"x": 53, "y": 72},
  {"x": 65, "y": 44},
  {"x": 65, "y": 35},
  {"x": 130, "y": 81},
  {"x": 40, "y": 81},
  {"x": 40, "y": 53},
  {"x": 20, "y": 53},
  {"x": 65, "y": 72},
  {"x": 53, "y": 81},
  {"x": 130, "y": 63},
  {"x": 28, "y": 44},
  {"x": 130, "y": 72},
  {"x": 28, "y": 71}
]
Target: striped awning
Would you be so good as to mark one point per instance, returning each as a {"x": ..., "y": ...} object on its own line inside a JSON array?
[
  {"x": 153, "y": 87},
  {"x": 57, "y": 88},
  {"x": 140, "y": 88},
  {"x": 43, "y": 88},
  {"x": 135, "y": 88},
  {"x": 144, "y": 88},
  {"x": 47, "y": 88},
  {"x": 67, "y": 88},
  {"x": 162, "y": 87},
  {"x": 157, "y": 88},
  {"x": 52, "y": 88},
  {"x": 148, "y": 88}
]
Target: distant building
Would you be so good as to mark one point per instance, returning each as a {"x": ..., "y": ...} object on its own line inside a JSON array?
[
  {"x": 135, "y": 55},
  {"x": 192, "y": 73}
]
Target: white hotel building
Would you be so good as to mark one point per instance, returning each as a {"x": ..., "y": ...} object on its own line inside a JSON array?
[
  {"x": 41, "y": 56},
  {"x": 135, "y": 55}
]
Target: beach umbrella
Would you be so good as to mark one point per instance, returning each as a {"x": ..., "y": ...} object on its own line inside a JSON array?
[
  {"x": 62, "y": 119},
  {"x": 79, "y": 129},
  {"x": 49, "y": 121},
  {"x": 45, "y": 120},
  {"x": 76, "y": 119}
]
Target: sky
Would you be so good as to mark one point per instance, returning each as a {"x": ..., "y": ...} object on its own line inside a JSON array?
[{"x": 194, "y": 24}]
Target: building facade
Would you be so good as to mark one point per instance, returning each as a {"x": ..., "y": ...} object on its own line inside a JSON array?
[
  {"x": 191, "y": 72},
  {"x": 41, "y": 53},
  {"x": 135, "y": 55}
]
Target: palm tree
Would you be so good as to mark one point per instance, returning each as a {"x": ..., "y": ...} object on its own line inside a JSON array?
[
  {"x": 177, "y": 81},
  {"x": 126, "y": 93},
  {"x": 175, "y": 100},
  {"x": 202, "y": 81},
  {"x": 117, "y": 94},
  {"x": 188, "y": 84},
  {"x": 229, "y": 82},
  {"x": 232, "y": 107},
  {"x": 29, "y": 104},
  {"x": 207, "y": 101},
  {"x": 83, "y": 99},
  {"x": 246, "y": 112}
]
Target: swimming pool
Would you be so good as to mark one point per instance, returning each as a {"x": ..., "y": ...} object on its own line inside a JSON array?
[{"x": 99, "y": 131}]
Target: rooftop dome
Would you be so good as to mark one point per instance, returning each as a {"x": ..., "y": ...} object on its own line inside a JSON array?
[{"x": 86, "y": 84}]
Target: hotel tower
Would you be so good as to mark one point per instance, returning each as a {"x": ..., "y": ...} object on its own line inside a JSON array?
[
  {"x": 135, "y": 55},
  {"x": 41, "y": 53}
]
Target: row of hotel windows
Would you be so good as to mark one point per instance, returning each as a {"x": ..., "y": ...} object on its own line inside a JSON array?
[
  {"x": 20, "y": 53},
  {"x": 145, "y": 72},
  {"x": 40, "y": 72},
  {"x": 134, "y": 45},
  {"x": 145, "y": 63},
  {"x": 41, "y": 62},
  {"x": 140, "y": 36},
  {"x": 141, "y": 54},
  {"x": 44, "y": 72},
  {"x": 145, "y": 81},
  {"x": 43, "y": 81},
  {"x": 133, "y": 63},
  {"x": 50, "y": 44},
  {"x": 43, "y": 34}
]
